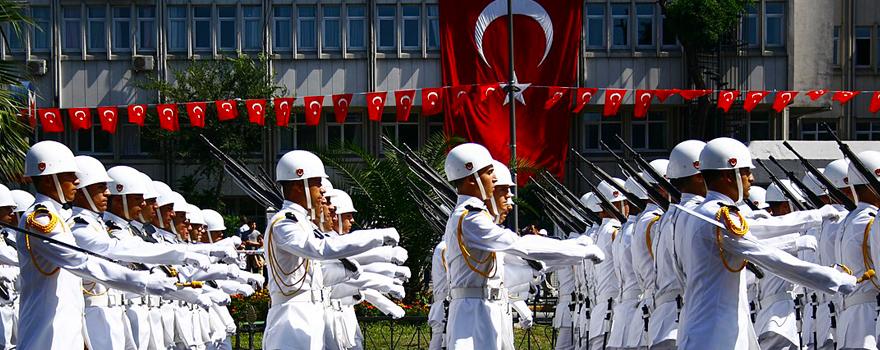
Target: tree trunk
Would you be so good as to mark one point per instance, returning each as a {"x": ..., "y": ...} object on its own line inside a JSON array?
[{"x": 698, "y": 123}]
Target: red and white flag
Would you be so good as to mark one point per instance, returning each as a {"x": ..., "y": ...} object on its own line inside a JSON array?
[
  {"x": 663, "y": 94},
  {"x": 844, "y": 96},
  {"x": 168, "y": 116},
  {"x": 726, "y": 99},
  {"x": 256, "y": 111},
  {"x": 555, "y": 94},
  {"x": 282, "y": 110},
  {"x": 375, "y": 105},
  {"x": 875, "y": 103},
  {"x": 753, "y": 98},
  {"x": 489, "y": 91},
  {"x": 137, "y": 114},
  {"x": 613, "y": 101},
  {"x": 341, "y": 103},
  {"x": 312, "y": 106},
  {"x": 643, "y": 102},
  {"x": 196, "y": 113},
  {"x": 80, "y": 118},
  {"x": 459, "y": 96},
  {"x": 226, "y": 110},
  {"x": 815, "y": 94},
  {"x": 688, "y": 95},
  {"x": 50, "y": 118},
  {"x": 783, "y": 99},
  {"x": 584, "y": 95},
  {"x": 404, "y": 101},
  {"x": 432, "y": 101},
  {"x": 109, "y": 117}
]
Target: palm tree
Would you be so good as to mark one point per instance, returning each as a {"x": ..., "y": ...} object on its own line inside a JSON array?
[{"x": 14, "y": 131}]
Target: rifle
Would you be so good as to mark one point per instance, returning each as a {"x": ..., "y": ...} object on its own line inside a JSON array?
[
  {"x": 573, "y": 201},
  {"x": 811, "y": 197},
  {"x": 655, "y": 195},
  {"x": 785, "y": 191},
  {"x": 833, "y": 191},
  {"x": 264, "y": 192},
  {"x": 602, "y": 175},
  {"x": 646, "y": 167},
  {"x": 873, "y": 183},
  {"x": 556, "y": 209},
  {"x": 606, "y": 205}
]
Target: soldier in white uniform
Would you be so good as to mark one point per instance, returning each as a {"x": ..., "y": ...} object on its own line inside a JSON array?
[
  {"x": 8, "y": 271},
  {"x": 715, "y": 314},
  {"x": 440, "y": 288},
  {"x": 605, "y": 281},
  {"x": 627, "y": 314}
]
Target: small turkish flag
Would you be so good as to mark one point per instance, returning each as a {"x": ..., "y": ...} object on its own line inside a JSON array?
[
  {"x": 168, "y": 116},
  {"x": 584, "y": 95},
  {"x": 753, "y": 98},
  {"x": 815, "y": 94},
  {"x": 554, "y": 95},
  {"x": 663, "y": 94},
  {"x": 613, "y": 100},
  {"x": 226, "y": 110},
  {"x": 341, "y": 103},
  {"x": 844, "y": 96},
  {"x": 692, "y": 94},
  {"x": 256, "y": 111},
  {"x": 312, "y": 106},
  {"x": 643, "y": 102},
  {"x": 137, "y": 114},
  {"x": 282, "y": 110},
  {"x": 196, "y": 113},
  {"x": 459, "y": 95},
  {"x": 80, "y": 118},
  {"x": 432, "y": 101},
  {"x": 488, "y": 91},
  {"x": 783, "y": 99},
  {"x": 404, "y": 101},
  {"x": 109, "y": 116},
  {"x": 375, "y": 105},
  {"x": 726, "y": 99},
  {"x": 50, "y": 118},
  {"x": 875, "y": 102}
]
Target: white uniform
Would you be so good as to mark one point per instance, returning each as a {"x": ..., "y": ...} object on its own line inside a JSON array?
[
  {"x": 566, "y": 306},
  {"x": 440, "y": 286},
  {"x": 827, "y": 257},
  {"x": 627, "y": 315},
  {"x": 716, "y": 312},
  {"x": 607, "y": 285},
  {"x": 9, "y": 273},
  {"x": 642, "y": 250},
  {"x": 856, "y": 321}
]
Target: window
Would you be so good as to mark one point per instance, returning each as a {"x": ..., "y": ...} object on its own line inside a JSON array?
[
  {"x": 42, "y": 29},
  {"x": 176, "y": 28},
  {"x": 668, "y": 36},
  {"x": 387, "y": 28},
  {"x": 331, "y": 23},
  {"x": 14, "y": 38},
  {"x": 401, "y": 132},
  {"x": 146, "y": 18},
  {"x": 835, "y": 55},
  {"x": 94, "y": 140},
  {"x": 650, "y": 133},
  {"x": 758, "y": 127},
  {"x": 226, "y": 32},
  {"x": 71, "y": 31},
  {"x": 862, "y": 54},
  {"x": 202, "y": 28},
  {"x": 121, "y": 28},
  {"x": 433, "y": 16},
  {"x": 645, "y": 25},
  {"x": 620, "y": 20},
  {"x": 352, "y": 131},
  {"x": 412, "y": 25},
  {"x": 137, "y": 143},
  {"x": 97, "y": 28},
  {"x": 357, "y": 24},
  {"x": 282, "y": 28},
  {"x": 297, "y": 135},
  {"x": 774, "y": 24},
  {"x": 867, "y": 131},
  {"x": 596, "y": 26},
  {"x": 252, "y": 31},
  {"x": 306, "y": 28},
  {"x": 750, "y": 26},
  {"x": 597, "y": 128},
  {"x": 813, "y": 130}
]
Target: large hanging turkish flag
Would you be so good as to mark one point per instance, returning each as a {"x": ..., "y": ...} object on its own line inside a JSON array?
[{"x": 474, "y": 36}]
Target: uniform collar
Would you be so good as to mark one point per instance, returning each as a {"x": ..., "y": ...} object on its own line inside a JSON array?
[
  {"x": 651, "y": 207},
  {"x": 688, "y": 197},
  {"x": 863, "y": 206},
  {"x": 610, "y": 221},
  {"x": 290, "y": 205},
  {"x": 137, "y": 225},
  {"x": 839, "y": 207},
  {"x": 53, "y": 206},
  {"x": 464, "y": 199},
  {"x": 120, "y": 222},
  {"x": 718, "y": 196},
  {"x": 79, "y": 211}
]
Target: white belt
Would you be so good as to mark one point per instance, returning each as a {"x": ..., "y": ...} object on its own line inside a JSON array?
[
  {"x": 629, "y": 295},
  {"x": 767, "y": 301},
  {"x": 564, "y": 300},
  {"x": 315, "y": 296},
  {"x": 858, "y": 299},
  {"x": 492, "y": 294},
  {"x": 666, "y": 297},
  {"x": 135, "y": 301},
  {"x": 153, "y": 301},
  {"x": 107, "y": 300},
  {"x": 336, "y": 304}
]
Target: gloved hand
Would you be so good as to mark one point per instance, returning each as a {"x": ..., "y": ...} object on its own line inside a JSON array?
[
  {"x": 399, "y": 255},
  {"x": 595, "y": 254},
  {"x": 397, "y": 313},
  {"x": 584, "y": 240},
  {"x": 197, "y": 260},
  {"x": 245, "y": 290},
  {"x": 850, "y": 285},
  {"x": 759, "y": 214},
  {"x": 526, "y": 322},
  {"x": 218, "y": 298},
  {"x": 254, "y": 278},
  {"x": 403, "y": 273},
  {"x": 396, "y": 292},
  {"x": 158, "y": 283},
  {"x": 830, "y": 213},
  {"x": 806, "y": 242},
  {"x": 204, "y": 300},
  {"x": 391, "y": 236}
]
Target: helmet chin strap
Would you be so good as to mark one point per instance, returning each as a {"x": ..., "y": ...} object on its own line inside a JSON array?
[
  {"x": 739, "y": 186},
  {"x": 483, "y": 195},
  {"x": 89, "y": 199},
  {"x": 339, "y": 224},
  {"x": 855, "y": 195},
  {"x": 308, "y": 198},
  {"x": 159, "y": 216},
  {"x": 58, "y": 190},
  {"x": 125, "y": 207}
]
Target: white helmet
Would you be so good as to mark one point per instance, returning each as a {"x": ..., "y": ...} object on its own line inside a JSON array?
[
  {"x": 502, "y": 174},
  {"x": 326, "y": 185},
  {"x": 609, "y": 192},
  {"x": 660, "y": 166},
  {"x": 299, "y": 165},
  {"x": 871, "y": 160},
  {"x": 775, "y": 194},
  {"x": 180, "y": 203},
  {"x": 684, "y": 160},
  {"x": 758, "y": 195},
  {"x": 725, "y": 153},
  {"x": 90, "y": 171},
  {"x": 194, "y": 214},
  {"x": 126, "y": 180},
  {"x": 161, "y": 187},
  {"x": 589, "y": 199},
  {"x": 6, "y": 199},
  {"x": 213, "y": 220},
  {"x": 466, "y": 159},
  {"x": 23, "y": 200},
  {"x": 151, "y": 191},
  {"x": 633, "y": 187},
  {"x": 343, "y": 203},
  {"x": 49, "y": 158},
  {"x": 813, "y": 184},
  {"x": 837, "y": 172}
]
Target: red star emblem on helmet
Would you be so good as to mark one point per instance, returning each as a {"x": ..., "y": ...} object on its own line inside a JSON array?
[
  {"x": 731, "y": 161},
  {"x": 41, "y": 166},
  {"x": 877, "y": 172},
  {"x": 469, "y": 166},
  {"x": 119, "y": 187},
  {"x": 846, "y": 180},
  {"x": 615, "y": 194},
  {"x": 697, "y": 164},
  {"x": 299, "y": 172}
]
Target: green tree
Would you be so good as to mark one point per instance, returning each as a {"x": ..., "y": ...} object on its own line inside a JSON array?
[
  {"x": 240, "y": 77},
  {"x": 14, "y": 132}
]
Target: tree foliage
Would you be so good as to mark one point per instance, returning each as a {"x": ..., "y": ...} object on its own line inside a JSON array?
[
  {"x": 700, "y": 24},
  {"x": 14, "y": 132}
]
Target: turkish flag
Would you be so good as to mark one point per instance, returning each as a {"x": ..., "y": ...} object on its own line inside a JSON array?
[
  {"x": 584, "y": 95},
  {"x": 783, "y": 99},
  {"x": 196, "y": 113},
  {"x": 875, "y": 102},
  {"x": 282, "y": 110},
  {"x": 137, "y": 114},
  {"x": 341, "y": 103},
  {"x": 489, "y": 91},
  {"x": 404, "y": 101},
  {"x": 109, "y": 116},
  {"x": 726, "y": 99},
  {"x": 375, "y": 105},
  {"x": 554, "y": 95},
  {"x": 815, "y": 94},
  {"x": 844, "y": 96},
  {"x": 663, "y": 94},
  {"x": 753, "y": 98},
  {"x": 226, "y": 110},
  {"x": 50, "y": 118},
  {"x": 168, "y": 116},
  {"x": 432, "y": 101},
  {"x": 312, "y": 106},
  {"x": 643, "y": 102},
  {"x": 613, "y": 100},
  {"x": 80, "y": 118},
  {"x": 256, "y": 111},
  {"x": 688, "y": 95},
  {"x": 459, "y": 95}
]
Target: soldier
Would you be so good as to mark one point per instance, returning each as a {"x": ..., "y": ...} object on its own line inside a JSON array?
[
  {"x": 23, "y": 200},
  {"x": 440, "y": 287},
  {"x": 8, "y": 272},
  {"x": 604, "y": 277}
]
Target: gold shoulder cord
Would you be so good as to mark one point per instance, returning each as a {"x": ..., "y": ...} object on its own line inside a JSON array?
[
  {"x": 91, "y": 291},
  {"x": 614, "y": 234},
  {"x": 31, "y": 222},
  {"x": 648, "y": 241},
  {"x": 467, "y": 255},
  {"x": 866, "y": 252},
  {"x": 443, "y": 258},
  {"x": 723, "y": 215},
  {"x": 276, "y": 267}
]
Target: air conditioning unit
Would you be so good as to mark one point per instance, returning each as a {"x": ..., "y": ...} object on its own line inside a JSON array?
[
  {"x": 36, "y": 67},
  {"x": 143, "y": 63}
]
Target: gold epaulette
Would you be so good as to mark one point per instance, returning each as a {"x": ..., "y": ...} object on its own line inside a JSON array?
[{"x": 33, "y": 223}]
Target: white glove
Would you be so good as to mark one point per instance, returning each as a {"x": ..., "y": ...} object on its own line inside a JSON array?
[
  {"x": 218, "y": 298},
  {"x": 584, "y": 240},
  {"x": 399, "y": 255},
  {"x": 158, "y": 283},
  {"x": 204, "y": 300},
  {"x": 526, "y": 322},
  {"x": 391, "y": 237},
  {"x": 255, "y": 278},
  {"x": 197, "y": 260},
  {"x": 245, "y": 290},
  {"x": 848, "y": 287},
  {"x": 806, "y": 242},
  {"x": 828, "y": 212},
  {"x": 403, "y": 273},
  {"x": 396, "y": 292},
  {"x": 595, "y": 254},
  {"x": 235, "y": 240}
]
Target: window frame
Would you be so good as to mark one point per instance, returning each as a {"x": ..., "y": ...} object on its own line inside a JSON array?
[
  {"x": 647, "y": 121},
  {"x": 835, "y": 46},
  {"x": 604, "y": 25},
  {"x": 587, "y": 120},
  {"x": 394, "y": 28},
  {"x": 627, "y": 35},
  {"x": 76, "y": 22},
  {"x": 42, "y": 30},
  {"x": 744, "y": 24},
  {"x": 139, "y": 33},
  {"x": 330, "y": 122},
  {"x": 339, "y": 18},
  {"x": 856, "y": 51},
  {"x": 349, "y": 18},
  {"x": 403, "y": 30},
  {"x": 217, "y": 29},
  {"x": 290, "y": 33},
  {"x": 194, "y": 21},
  {"x": 873, "y": 131},
  {"x": 430, "y": 20},
  {"x": 101, "y": 23},
  {"x": 299, "y": 25},
  {"x": 652, "y": 26},
  {"x": 782, "y": 24},
  {"x": 243, "y": 32},
  {"x": 114, "y": 22},
  {"x": 93, "y": 131},
  {"x": 185, "y": 35}
]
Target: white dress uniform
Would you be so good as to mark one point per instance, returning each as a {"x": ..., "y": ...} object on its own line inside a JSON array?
[
  {"x": 606, "y": 283},
  {"x": 856, "y": 323},
  {"x": 642, "y": 250},
  {"x": 566, "y": 306},
  {"x": 827, "y": 257},
  {"x": 440, "y": 287},
  {"x": 716, "y": 312},
  {"x": 626, "y": 315},
  {"x": 9, "y": 273}
]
